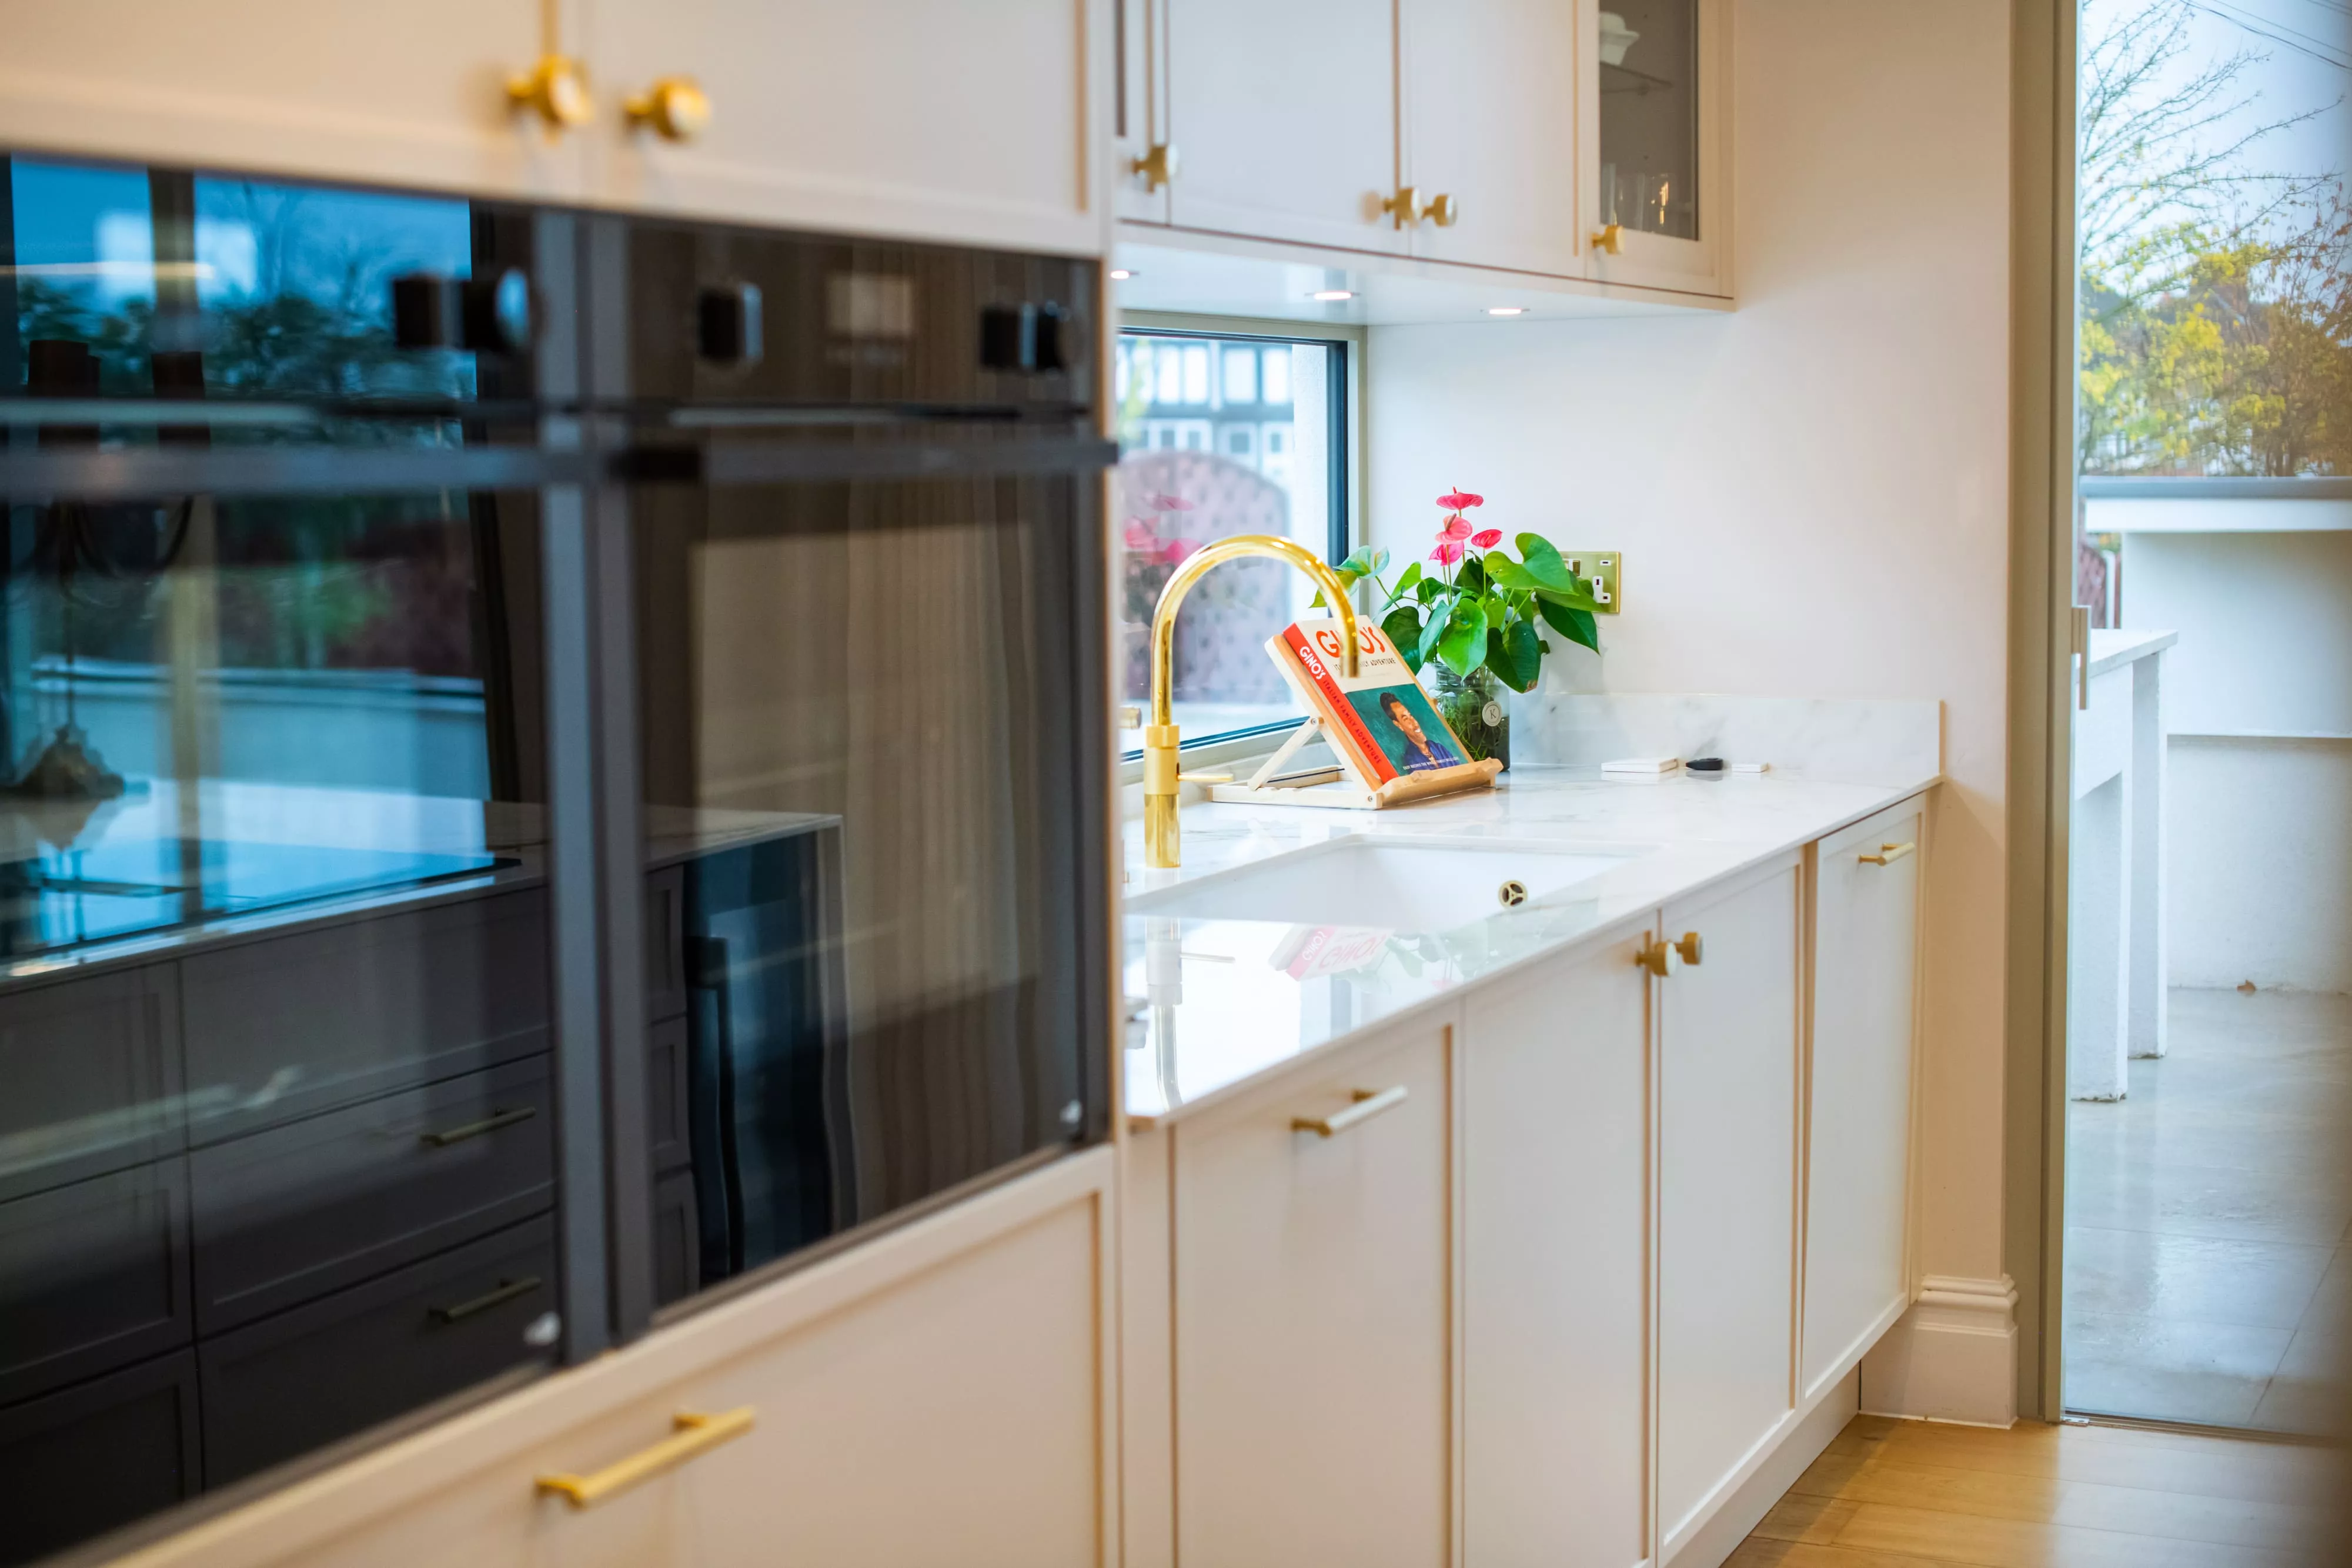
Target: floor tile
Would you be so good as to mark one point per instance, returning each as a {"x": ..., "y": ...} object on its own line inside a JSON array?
[{"x": 2194, "y": 1278}]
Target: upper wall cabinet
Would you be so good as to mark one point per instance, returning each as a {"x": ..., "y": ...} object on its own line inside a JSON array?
[
  {"x": 1490, "y": 132},
  {"x": 1282, "y": 119},
  {"x": 931, "y": 118},
  {"x": 1656, "y": 168},
  {"x": 293, "y": 86}
]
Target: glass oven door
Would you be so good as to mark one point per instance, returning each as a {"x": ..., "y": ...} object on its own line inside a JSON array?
[{"x": 872, "y": 759}]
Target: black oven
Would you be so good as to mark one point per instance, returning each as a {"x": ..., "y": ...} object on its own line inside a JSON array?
[{"x": 550, "y": 766}]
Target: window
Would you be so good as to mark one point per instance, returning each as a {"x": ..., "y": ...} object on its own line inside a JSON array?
[{"x": 1269, "y": 457}]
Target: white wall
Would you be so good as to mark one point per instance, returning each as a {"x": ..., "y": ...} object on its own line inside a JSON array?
[
  {"x": 2259, "y": 802},
  {"x": 1811, "y": 492}
]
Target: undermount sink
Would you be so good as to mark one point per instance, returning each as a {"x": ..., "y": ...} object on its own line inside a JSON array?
[{"x": 1401, "y": 885}]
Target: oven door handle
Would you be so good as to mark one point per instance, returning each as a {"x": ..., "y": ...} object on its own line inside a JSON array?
[{"x": 755, "y": 464}]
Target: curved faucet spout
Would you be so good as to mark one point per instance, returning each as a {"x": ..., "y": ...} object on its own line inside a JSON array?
[{"x": 1161, "y": 845}]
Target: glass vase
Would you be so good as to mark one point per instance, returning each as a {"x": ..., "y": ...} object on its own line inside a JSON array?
[{"x": 1471, "y": 705}]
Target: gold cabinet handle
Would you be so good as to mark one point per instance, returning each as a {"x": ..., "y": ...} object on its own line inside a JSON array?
[
  {"x": 1156, "y": 166},
  {"x": 1443, "y": 211},
  {"x": 1887, "y": 854},
  {"x": 2080, "y": 625},
  {"x": 556, "y": 90},
  {"x": 1610, "y": 239},
  {"x": 1664, "y": 958},
  {"x": 675, "y": 108},
  {"x": 504, "y": 1292},
  {"x": 696, "y": 1434},
  {"x": 1370, "y": 1102},
  {"x": 490, "y": 1123},
  {"x": 1404, "y": 207}
]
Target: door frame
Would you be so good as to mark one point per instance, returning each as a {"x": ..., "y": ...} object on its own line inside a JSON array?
[{"x": 2043, "y": 83}]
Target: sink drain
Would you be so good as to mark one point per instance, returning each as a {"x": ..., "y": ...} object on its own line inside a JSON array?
[{"x": 1512, "y": 894}]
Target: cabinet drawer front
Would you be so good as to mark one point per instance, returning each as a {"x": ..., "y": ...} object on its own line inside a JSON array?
[
  {"x": 330, "y": 1017},
  {"x": 290, "y": 1214},
  {"x": 306, "y": 1377},
  {"x": 92, "y": 1276},
  {"x": 88, "y": 1459},
  {"x": 92, "y": 1071},
  {"x": 1312, "y": 1286}
]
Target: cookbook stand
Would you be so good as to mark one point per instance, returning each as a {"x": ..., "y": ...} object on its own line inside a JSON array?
[{"x": 1337, "y": 785}]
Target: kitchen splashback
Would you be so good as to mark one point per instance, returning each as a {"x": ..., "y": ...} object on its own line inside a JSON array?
[{"x": 1861, "y": 739}]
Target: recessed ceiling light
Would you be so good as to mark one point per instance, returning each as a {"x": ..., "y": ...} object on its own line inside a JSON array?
[
  {"x": 1122, "y": 273},
  {"x": 1507, "y": 309},
  {"x": 1332, "y": 294}
]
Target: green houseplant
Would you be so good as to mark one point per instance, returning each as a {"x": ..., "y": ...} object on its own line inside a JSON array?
[{"x": 1478, "y": 616}]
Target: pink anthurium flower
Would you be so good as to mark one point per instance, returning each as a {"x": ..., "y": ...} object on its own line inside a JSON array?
[
  {"x": 1140, "y": 536},
  {"x": 1178, "y": 549},
  {"x": 1457, "y": 526},
  {"x": 1455, "y": 501},
  {"x": 1488, "y": 540},
  {"x": 1447, "y": 553},
  {"x": 1170, "y": 504}
]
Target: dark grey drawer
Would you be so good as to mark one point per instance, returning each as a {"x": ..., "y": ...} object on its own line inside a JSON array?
[
  {"x": 90, "y": 1070},
  {"x": 92, "y": 1277},
  {"x": 98, "y": 1456},
  {"x": 336, "y": 1015},
  {"x": 291, "y": 1213},
  {"x": 291, "y": 1383}
]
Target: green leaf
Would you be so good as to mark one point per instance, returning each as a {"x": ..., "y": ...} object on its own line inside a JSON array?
[
  {"x": 1526, "y": 651},
  {"x": 1365, "y": 561},
  {"x": 1497, "y": 611},
  {"x": 1404, "y": 629},
  {"x": 1505, "y": 572},
  {"x": 1433, "y": 630},
  {"x": 1349, "y": 574},
  {"x": 1404, "y": 585},
  {"x": 1573, "y": 599},
  {"x": 1463, "y": 645},
  {"x": 1570, "y": 621},
  {"x": 1472, "y": 578},
  {"x": 1428, "y": 589},
  {"x": 1499, "y": 661},
  {"x": 1545, "y": 565}
]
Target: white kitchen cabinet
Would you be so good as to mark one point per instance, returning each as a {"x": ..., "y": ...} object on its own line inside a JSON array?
[
  {"x": 930, "y": 119},
  {"x": 1654, "y": 142},
  {"x": 1859, "y": 1084},
  {"x": 412, "y": 98},
  {"x": 1139, "y": 174},
  {"x": 1728, "y": 1033},
  {"x": 1555, "y": 1148},
  {"x": 1284, "y": 119},
  {"x": 1312, "y": 1287},
  {"x": 1491, "y": 126},
  {"x": 938, "y": 1396}
]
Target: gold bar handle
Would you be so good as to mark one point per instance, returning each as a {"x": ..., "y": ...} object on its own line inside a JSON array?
[
  {"x": 1370, "y": 1102},
  {"x": 1887, "y": 854},
  {"x": 696, "y": 1434},
  {"x": 2080, "y": 625},
  {"x": 490, "y": 1123}
]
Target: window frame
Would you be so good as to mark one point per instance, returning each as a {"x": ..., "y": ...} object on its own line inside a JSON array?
[{"x": 1346, "y": 373}]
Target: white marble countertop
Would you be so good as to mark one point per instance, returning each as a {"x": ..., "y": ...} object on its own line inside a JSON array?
[
  {"x": 2113, "y": 650},
  {"x": 1256, "y": 995}
]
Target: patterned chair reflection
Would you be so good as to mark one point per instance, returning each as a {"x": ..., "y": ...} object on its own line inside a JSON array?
[{"x": 1169, "y": 505}]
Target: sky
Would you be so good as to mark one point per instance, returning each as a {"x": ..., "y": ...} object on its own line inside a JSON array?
[{"x": 2309, "y": 68}]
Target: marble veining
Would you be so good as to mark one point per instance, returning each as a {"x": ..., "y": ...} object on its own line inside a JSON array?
[
  {"x": 1880, "y": 739},
  {"x": 1215, "y": 1002}
]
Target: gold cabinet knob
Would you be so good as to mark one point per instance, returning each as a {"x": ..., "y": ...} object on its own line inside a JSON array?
[
  {"x": 1690, "y": 947},
  {"x": 1404, "y": 207},
  {"x": 556, "y": 90},
  {"x": 1156, "y": 166},
  {"x": 1443, "y": 211},
  {"x": 1663, "y": 958},
  {"x": 675, "y": 108},
  {"x": 1610, "y": 239}
]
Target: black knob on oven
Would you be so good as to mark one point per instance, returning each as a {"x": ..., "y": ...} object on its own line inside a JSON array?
[
  {"x": 1023, "y": 338},
  {"x": 727, "y": 324},
  {"x": 484, "y": 314}
]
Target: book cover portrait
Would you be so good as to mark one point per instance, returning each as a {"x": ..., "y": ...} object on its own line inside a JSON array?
[{"x": 1406, "y": 727}]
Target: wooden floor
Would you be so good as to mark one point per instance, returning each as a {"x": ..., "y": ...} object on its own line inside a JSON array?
[{"x": 1910, "y": 1494}]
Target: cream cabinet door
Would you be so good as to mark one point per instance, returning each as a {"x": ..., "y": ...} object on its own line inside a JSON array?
[
  {"x": 924, "y": 119},
  {"x": 1284, "y": 119},
  {"x": 1556, "y": 1146},
  {"x": 1490, "y": 95},
  {"x": 412, "y": 96},
  {"x": 939, "y": 1396},
  {"x": 1312, "y": 1283},
  {"x": 1727, "y": 1183},
  {"x": 1858, "y": 1122},
  {"x": 1139, "y": 179}
]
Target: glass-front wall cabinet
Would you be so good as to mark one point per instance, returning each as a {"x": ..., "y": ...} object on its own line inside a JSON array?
[{"x": 1655, "y": 125}]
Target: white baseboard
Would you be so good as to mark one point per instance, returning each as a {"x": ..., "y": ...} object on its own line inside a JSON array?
[
  {"x": 1720, "y": 1536},
  {"x": 1952, "y": 1358}
]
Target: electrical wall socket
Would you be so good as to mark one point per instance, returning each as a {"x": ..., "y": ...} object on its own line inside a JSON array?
[{"x": 1602, "y": 574}]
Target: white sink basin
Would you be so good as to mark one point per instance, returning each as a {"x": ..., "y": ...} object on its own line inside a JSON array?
[{"x": 1400, "y": 884}]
